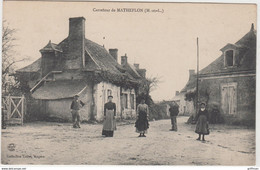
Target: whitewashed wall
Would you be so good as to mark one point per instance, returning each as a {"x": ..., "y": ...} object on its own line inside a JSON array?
[
  {"x": 100, "y": 98},
  {"x": 61, "y": 108},
  {"x": 185, "y": 107}
]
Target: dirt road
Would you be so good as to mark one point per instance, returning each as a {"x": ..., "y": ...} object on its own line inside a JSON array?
[{"x": 54, "y": 143}]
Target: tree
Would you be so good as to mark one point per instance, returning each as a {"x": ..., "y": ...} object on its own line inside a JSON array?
[
  {"x": 8, "y": 59},
  {"x": 147, "y": 85}
]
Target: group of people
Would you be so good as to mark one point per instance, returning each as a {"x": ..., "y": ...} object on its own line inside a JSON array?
[
  {"x": 202, "y": 119},
  {"x": 141, "y": 124},
  {"x": 109, "y": 124}
]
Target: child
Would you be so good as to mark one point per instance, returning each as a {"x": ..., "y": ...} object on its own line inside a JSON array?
[{"x": 202, "y": 123}]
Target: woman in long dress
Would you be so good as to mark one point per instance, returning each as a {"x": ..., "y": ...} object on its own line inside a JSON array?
[
  {"x": 109, "y": 124},
  {"x": 141, "y": 123},
  {"x": 202, "y": 123}
]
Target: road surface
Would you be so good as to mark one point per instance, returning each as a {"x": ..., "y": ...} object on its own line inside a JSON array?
[{"x": 55, "y": 143}]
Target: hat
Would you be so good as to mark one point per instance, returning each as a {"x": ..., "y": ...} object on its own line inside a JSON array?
[
  {"x": 110, "y": 96},
  {"x": 202, "y": 104},
  {"x": 76, "y": 95}
]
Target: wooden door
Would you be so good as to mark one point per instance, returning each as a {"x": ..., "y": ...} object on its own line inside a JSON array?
[{"x": 229, "y": 98}]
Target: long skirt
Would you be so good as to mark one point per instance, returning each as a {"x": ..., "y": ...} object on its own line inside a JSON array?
[
  {"x": 202, "y": 126},
  {"x": 109, "y": 124},
  {"x": 142, "y": 123}
]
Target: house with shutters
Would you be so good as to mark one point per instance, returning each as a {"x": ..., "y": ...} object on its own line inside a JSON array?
[
  {"x": 79, "y": 66},
  {"x": 230, "y": 81}
]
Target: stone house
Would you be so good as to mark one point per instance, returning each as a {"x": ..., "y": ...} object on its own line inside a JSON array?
[
  {"x": 80, "y": 66},
  {"x": 229, "y": 82}
]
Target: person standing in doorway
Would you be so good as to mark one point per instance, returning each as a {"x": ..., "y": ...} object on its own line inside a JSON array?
[
  {"x": 75, "y": 107},
  {"x": 109, "y": 124},
  {"x": 202, "y": 127},
  {"x": 174, "y": 111},
  {"x": 141, "y": 123}
]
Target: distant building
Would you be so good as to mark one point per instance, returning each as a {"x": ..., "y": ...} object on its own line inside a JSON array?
[
  {"x": 80, "y": 66},
  {"x": 186, "y": 107}
]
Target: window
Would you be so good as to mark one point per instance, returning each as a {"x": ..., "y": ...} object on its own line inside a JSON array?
[
  {"x": 109, "y": 93},
  {"x": 132, "y": 101},
  {"x": 229, "y": 58},
  {"x": 124, "y": 101}
]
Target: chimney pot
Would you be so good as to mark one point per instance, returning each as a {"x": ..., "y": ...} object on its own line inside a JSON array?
[
  {"x": 136, "y": 66},
  {"x": 123, "y": 60},
  {"x": 252, "y": 27}
]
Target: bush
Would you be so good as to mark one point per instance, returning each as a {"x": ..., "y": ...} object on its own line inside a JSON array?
[{"x": 157, "y": 112}]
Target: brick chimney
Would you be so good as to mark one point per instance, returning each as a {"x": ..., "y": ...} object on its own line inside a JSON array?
[
  {"x": 136, "y": 66},
  {"x": 77, "y": 41},
  {"x": 123, "y": 60},
  {"x": 114, "y": 53},
  {"x": 191, "y": 72},
  {"x": 142, "y": 72}
]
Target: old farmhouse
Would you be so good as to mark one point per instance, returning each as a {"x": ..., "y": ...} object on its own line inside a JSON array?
[{"x": 80, "y": 66}]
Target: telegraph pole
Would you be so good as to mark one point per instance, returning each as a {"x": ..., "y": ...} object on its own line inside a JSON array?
[{"x": 197, "y": 84}]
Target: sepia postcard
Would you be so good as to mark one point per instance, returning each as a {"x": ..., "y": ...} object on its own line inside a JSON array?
[{"x": 128, "y": 83}]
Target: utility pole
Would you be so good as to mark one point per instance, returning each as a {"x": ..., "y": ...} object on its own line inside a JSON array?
[{"x": 197, "y": 84}]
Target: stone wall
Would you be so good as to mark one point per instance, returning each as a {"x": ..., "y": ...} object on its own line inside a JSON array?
[{"x": 210, "y": 92}]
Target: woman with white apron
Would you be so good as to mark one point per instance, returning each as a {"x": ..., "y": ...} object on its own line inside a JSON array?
[{"x": 109, "y": 124}]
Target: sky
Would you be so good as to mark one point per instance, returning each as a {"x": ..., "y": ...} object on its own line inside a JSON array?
[{"x": 164, "y": 43}]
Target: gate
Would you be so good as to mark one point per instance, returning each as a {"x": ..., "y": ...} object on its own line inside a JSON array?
[{"x": 14, "y": 106}]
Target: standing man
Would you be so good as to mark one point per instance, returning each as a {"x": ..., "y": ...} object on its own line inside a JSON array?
[
  {"x": 174, "y": 111},
  {"x": 75, "y": 107}
]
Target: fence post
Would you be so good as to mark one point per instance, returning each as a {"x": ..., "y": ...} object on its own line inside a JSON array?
[{"x": 22, "y": 109}]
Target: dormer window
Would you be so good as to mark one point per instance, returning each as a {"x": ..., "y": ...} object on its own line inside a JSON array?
[{"x": 229, "y": 58}]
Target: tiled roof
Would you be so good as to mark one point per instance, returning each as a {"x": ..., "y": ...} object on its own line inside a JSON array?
[
  {"x": 132, "y": 71},
  {"x": 101, "y": 58},
  {"x": 34, "y": 67},
  {"x": 246, "y": 60},
  {"x": 59, "y": 89},
  {"x": 191, "y": 84},
  {"x": 51, "y": 47}
]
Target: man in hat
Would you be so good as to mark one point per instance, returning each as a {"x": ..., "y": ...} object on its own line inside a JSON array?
[
  {"x": 174, "y": 111},
  {"x": 75, "y": 107}
]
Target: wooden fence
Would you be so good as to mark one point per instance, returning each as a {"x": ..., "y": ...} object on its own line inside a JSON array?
[{"x": 14, "y": 107}]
